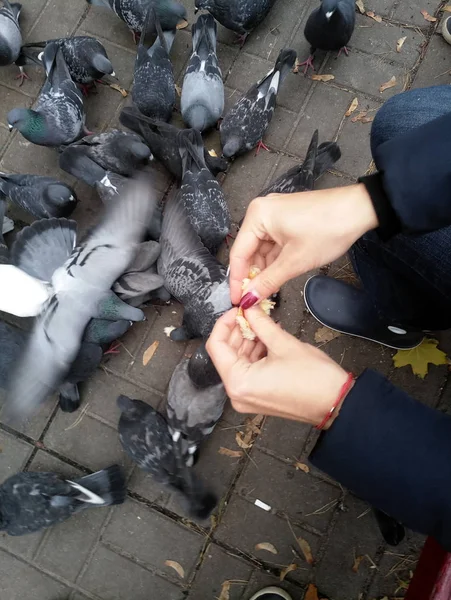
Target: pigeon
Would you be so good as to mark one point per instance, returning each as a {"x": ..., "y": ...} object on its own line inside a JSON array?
[
  {"x": 85, "y": 56},
  {"x": 33, "y": 501},
  {"x": 201, "y": 194},
  {"x": 162, "y": 140},
  {"x": 146, "y": 439},
  {"x": 193, "y": 412},
  {"x": 79, "y": 286},
  {"x": 103, "y": 331},
  {"x": 202, "y": 100},
  {"x": 241, "y": 16},
  {"x": 192, "y": 275},
  {"x": 245, "y": 124},
  {"x": 133, "y": 12},
  {"x": 115, "y": 150},
  {"x": 153, "y": 89},
  {"x": 4, "y": 252},
  {"x": 43, "y": 197},
  {"x": 11, "y": 36},
  {"x": 329, "y": 27},
  {"x": 59, "y": 116}
]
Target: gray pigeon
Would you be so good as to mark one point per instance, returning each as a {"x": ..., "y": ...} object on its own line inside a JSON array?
[
  {"x": 34, "y": 501},
  {"x": 59, "y": 116},
  {"x": 43, "y": 197},
  {"x": 192, "y": 412},
  {"x": 85, "y": 56},
  {"x": 202, "y": 100},
  {"x": 329, "y": 27},
  {"x": 11, "y": 36},
  {"x": 191, "y": 274},
  {"x": 153, "y": 89},
  {"x": 79, "y": 286},
  {"x": 244, "y": 126},
  {"x": 4, "y": 252},
  {"x": 115, "y": 150},
  {"x": 162, "y": 140},
  {"x": 201, "y": 194},
  {"x": 133, "y": 12},
  {"x": 241, "y": 16},
  {"x": 145, "y": 438}
]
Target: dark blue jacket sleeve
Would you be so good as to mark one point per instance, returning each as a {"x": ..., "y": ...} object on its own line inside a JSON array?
[
  {"x": 412, "y": 190},
  {"x": 393, "y": 452}
]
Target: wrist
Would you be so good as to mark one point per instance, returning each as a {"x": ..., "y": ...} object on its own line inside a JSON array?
[
  {"x": 359, "y": 209},
  {"x": 336, "y": 385}
]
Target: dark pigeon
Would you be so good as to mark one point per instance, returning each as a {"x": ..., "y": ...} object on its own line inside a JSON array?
[
  {"x": 153, "y": 89},
  {"x": 59, "y": 116},
  {"x": 202, "y": 100},
  {"x": 43, "y": 197},
  {"x": 329, "y": 27},
  {"x": 244, "y": 126},
  {"x": 162, "y": 140},
  {"x": 201, "y": 194},
  {"x": 33, "y": 501},
  {"x": 10, "y": 36},
  {"x": 191, "y": 274},
  {"x": 146, "y": 439},
  {"x": 241, "y": 16},
  {"x": 104, "y": 331}
]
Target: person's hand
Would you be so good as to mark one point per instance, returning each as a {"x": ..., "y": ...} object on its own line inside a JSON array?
[
  {"x": 277, "y": 374},
  {"x": 289, "y": 234}
]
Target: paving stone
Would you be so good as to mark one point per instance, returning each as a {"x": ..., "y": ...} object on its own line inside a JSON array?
[
  {"x": 34, "y": 425},
  {"x": 14, "y": 454},
  {"x": 245, "y": 525},
  {"x": 50, "y": 25},
  {"x": 411, "y": 12},
  {"x": 144, "y": 484},
  {"x": 133, "y": 525},
  {"x": 102, "y": 22},
  {"x": 434, "y": 69},
  {"x": 290, "y": 311},
  {"x": 217, "y": 567},
  {"x": 180, "y": 53},
  {"x": 354, "y": 534},
  {"x": 24, "y": 546},
  {"x": 328, "y": 180},
  {"x": 113, "y": 577},
  {"x": 260, "y": 580},
  {"x": 380, "y": 7},
  {"x": 283, "y": 437},
  {"x": 426, "y": 390},
  {"x": 280, "y": 128},
  {"x": 289, "y": 491},
  {"x": 28, "y": 17},
  {"x": 42, "y": 461}
]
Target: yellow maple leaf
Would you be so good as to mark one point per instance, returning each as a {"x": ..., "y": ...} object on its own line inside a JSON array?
[{"x": 420, "y": 357}]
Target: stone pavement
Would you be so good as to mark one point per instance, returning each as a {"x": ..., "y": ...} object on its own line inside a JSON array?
[{"x": 120, "y": 554}]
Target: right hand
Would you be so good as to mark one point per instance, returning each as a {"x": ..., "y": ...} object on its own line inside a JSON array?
[{"x": 286, "y": 235}]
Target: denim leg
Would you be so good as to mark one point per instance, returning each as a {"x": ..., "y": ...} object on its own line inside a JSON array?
[{"x": 408, "y": 277}]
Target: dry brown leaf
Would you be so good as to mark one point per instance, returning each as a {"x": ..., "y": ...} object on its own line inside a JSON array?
[
  {"x": 388, "y": 84},
  {"x": 231, "y": 453},
  {"x": 148, "y": 354},
  {"x": 118, "y": 88},
  {"x": 428, "y": 17},
  {"x": 367, "y": 120},
  {"x": 356, "y": 565},
  {"x": 306, "y": 550},
  {"x": 287, "y": 570},
  {"x": 323, "y": 77},
  {"x": 447, "y": 8},
  {"x": 243, "y": 441},
  {"x": 354, "y": 104},
  {"x": 400, "y": 43},
  {"x": 360, "y": 116},
  {"x": 302, "y": 467},
  {"x": 176, "y": 566},
  {"x": 312, "y": 593},
  {"x": 225, "y": 589},
  {"x": 324, "y": 335},
  {"x": 254, "y": 424},
  {"x": 266, "y": 546},
  {"x": 182, "y": 24},
  {"x": 212, "y": 152},
  {"x": 360, "y": 6},
  {"x": 371, "y": 14},
  {"x": 178, "y": 89}
]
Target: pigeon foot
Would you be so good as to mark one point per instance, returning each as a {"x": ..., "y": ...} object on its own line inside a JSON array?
[
  {"x": 261, "y": 145},
  {"x": 307, "y": 64},
  {"x": 113, "y": 349},
  {"x": 22, "y": 76},
  {"x": 241, "y": 39},
  {"x": 345, "y": 50}
]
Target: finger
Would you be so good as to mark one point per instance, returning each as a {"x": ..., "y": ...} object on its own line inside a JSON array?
[
  {"x": 246, "y": 349},
  {"x": 221, "y": 352},
  {"x": 243, "y": 249},
  {"x": 258, "y": 352},
  {"x": 273, "y": 337}
]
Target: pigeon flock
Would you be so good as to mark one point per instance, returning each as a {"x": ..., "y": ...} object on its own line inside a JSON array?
[{"x": 84, "y": 294}]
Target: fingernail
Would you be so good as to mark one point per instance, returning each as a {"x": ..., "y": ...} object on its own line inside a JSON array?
[{"x": 249, "y": 300}]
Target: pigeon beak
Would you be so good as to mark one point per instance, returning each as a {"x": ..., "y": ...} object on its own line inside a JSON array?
[
  {"x": 10, "y": 127},
  {"x": 113, "y": 74},
  {"x": 196, "y": 10},
  {"x": 329, "y": 14}
]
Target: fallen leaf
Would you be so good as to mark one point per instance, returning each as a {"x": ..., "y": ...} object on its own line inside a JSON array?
[
  {"x": 420, "y": 357},
  {"x": 243, "y": 442},
  {"x": 302, "y": 467},
  {"x": 354, "y": 104},
  {"x": 148, "y": 354},
  {"x": 428, "y": 17},
  {"x": 118, "y": 88},
  {"x": 389, "y": 84},
  {"x": 367, "y": 120},
  {"x": 225, "y": 589},
  {"x": 323, "y": 77},
  {"x": 254, "y": 424},
  {"x": 306, "y": 550},
  {"x": 447, "y": 8},
  {"x": 182, "y": 24},
  {"x": 176, "y": 566},
  {"x": 266, "y": 546},
  {"x": 311, "y": 593},
  {"x": 231, "y": 453},
  {"x": 178, "y": 89},
  {"x": 297, "y": 64},
  {"x": 324, "y": 335},
  {"x": 287, "y": 570},
  {"x": 360, "y": 116},
  {"x": 356, "y": 565},
  {"x": 400, "y": 43},
  {"x": 360, "y": 6},
  {"x": 212, "y": 152},
  {"x": 371, "y": 14}
]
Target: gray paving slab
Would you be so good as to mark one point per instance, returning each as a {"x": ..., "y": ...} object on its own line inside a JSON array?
[
  {"x": 34, "y": 425},
  {"x": 14, "y": 454},
  {"x": 434, "y": 70},
  {"x": 284, "y": 438}
]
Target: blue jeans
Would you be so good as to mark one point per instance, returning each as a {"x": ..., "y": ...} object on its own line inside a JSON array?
[{"x": 408, "y": 278}]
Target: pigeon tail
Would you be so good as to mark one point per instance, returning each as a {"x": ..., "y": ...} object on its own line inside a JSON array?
[
  {"x": 69, "y": 397},
  {"x": 108, "y": 485},
  {"x": 191, "y": 149},
  {"x": 328, "y": 154},
  {"x": 151, "y": 28},
  {"x": 204, "y": 33},
  {"x": 73, "y": 160},
  {"x": 15, "y": 8}
]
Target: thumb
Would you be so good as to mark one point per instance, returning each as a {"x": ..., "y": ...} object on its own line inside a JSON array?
[{"x": 273, "y": 337}]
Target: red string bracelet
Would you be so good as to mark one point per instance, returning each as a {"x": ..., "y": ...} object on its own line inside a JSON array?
[{"x": 344, "y": 390}]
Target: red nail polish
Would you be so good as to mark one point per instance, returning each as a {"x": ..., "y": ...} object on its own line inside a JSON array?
[{"x": 248, "y": 300}]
